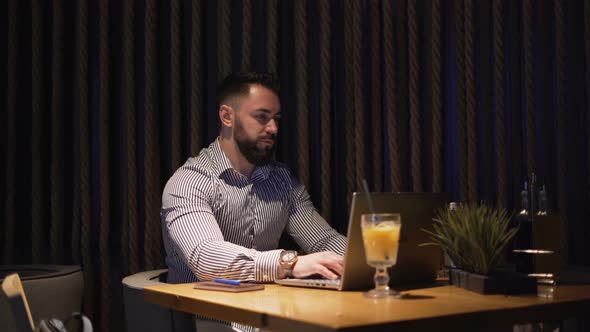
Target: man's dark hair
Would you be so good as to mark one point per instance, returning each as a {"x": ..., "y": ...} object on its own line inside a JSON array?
[{"x": 237, "y": 84}]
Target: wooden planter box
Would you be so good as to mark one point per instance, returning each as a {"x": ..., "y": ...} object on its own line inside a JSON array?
[{"x": 505, "y": 282}]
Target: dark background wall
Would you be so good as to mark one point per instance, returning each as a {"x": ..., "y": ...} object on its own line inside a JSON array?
[{"x": 102, "y": 100}]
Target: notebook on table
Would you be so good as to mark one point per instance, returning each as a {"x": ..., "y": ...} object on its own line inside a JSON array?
[{"x": 415, "y": 264}]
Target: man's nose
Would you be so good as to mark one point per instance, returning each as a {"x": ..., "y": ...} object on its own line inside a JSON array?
[{"x": 272, "y": 127}]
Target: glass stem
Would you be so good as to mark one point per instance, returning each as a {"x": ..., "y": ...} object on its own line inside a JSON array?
[{"x": 381, "y": 279}]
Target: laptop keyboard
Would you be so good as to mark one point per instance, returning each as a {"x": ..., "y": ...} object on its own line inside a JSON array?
[{"x": 320, "y": 282}]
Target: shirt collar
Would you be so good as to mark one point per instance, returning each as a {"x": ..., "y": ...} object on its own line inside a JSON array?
[
  {"x": 222, "y": 164},
  {"x": 261, "y": 173},
  {"x": 220, "y": 161}
]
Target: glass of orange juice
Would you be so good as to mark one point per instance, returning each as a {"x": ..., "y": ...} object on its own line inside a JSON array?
[{"x": 381, "y": 239}]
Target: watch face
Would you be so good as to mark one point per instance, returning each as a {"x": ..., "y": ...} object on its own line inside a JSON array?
[{"x": 288, "y": 256}]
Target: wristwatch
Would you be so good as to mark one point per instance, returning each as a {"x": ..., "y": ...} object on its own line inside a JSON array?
[{"x": 287, "y": 262}]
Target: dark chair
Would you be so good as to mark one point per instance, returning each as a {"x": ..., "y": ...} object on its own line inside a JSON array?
[
  {"x": 146, "y": 317},
  {"x": 17, "y": 300},
  {"x": 53, "y": 291}
]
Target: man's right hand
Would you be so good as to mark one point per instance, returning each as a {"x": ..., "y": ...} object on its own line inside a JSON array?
[{"x": 326, "y": 263}]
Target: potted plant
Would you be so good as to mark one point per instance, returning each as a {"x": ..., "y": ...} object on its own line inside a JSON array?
[{"x": 474, "y": 237}]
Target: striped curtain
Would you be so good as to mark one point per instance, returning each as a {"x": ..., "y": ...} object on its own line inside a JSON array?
[{"x": 104, "y": 99}]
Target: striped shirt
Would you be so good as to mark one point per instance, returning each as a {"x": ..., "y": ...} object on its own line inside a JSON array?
[{"x": 217, "y": 223}]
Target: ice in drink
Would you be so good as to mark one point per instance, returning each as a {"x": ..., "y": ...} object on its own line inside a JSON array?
[{"x": 381, "y": 242}]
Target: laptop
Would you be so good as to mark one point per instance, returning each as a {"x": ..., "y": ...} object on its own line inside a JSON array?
[{"x": 415, "y": 264}]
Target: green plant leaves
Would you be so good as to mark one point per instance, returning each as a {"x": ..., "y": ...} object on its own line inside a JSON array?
[{"x": 473, "y": 235}]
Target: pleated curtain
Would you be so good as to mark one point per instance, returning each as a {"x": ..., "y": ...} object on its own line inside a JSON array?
[{"x": 103, "y": 100}]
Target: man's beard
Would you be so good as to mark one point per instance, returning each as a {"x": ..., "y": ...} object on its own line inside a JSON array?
[{"x": 248, "y": 148}]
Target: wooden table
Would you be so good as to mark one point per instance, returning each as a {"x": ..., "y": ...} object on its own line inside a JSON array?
[{"x": 281, "y": 308}]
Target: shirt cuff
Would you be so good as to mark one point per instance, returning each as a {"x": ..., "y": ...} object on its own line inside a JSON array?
[{"x": 266, "y": 265}]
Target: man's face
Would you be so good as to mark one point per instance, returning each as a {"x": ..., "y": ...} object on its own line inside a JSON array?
[{"x": 256, "y": 124}]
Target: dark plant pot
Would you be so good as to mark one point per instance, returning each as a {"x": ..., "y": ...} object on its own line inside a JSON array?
[
  {"x": 504, "y": 282},
  {"x": 459, "y": 278}
]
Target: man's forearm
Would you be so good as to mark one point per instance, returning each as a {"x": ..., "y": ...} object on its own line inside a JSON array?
[{"x": 220, "y": 259}]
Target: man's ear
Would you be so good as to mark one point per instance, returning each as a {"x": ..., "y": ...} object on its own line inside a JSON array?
[{"x": 226, "y": 115}]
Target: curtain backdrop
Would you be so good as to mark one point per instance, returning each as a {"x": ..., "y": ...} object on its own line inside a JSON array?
[{"x": 102, "y": 100}]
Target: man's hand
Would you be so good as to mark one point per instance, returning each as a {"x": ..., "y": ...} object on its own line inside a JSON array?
[{"x": 326, "y": 263}]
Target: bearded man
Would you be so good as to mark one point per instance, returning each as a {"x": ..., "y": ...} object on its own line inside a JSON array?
[{"x": 224, "y": 211}]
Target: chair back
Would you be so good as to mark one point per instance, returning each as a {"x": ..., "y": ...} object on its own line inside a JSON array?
[
  {"x": 147, "y": 317},
  {"x": 53, "y": 291},
  {"x": 13, "y": 288}
]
